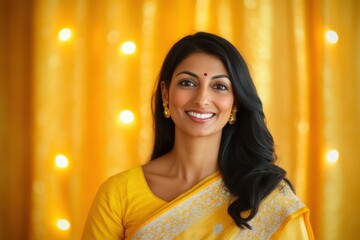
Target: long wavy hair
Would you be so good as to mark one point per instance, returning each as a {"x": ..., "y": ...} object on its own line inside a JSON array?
[{"x": 246, "y": 156}]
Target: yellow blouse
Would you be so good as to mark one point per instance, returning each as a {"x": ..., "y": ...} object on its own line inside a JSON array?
[{"x": 125, "y": 200}]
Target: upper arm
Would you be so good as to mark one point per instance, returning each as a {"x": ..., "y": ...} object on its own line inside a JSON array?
[{"x": 104, "y": 220}]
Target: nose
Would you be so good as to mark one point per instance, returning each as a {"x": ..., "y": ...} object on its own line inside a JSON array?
[{"x": 202, "y": 96}]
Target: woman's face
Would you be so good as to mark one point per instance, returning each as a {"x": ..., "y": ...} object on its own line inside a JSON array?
[{"x": 200, "y": 95}]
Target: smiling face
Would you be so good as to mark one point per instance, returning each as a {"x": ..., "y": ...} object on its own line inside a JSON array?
[{"x": 200, "y": 95}]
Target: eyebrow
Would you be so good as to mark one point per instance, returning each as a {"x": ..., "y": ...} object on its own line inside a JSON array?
[{"x": 196, "y": 76}]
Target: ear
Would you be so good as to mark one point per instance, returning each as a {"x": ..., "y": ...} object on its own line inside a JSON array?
[{"x": 164, "y": 92}]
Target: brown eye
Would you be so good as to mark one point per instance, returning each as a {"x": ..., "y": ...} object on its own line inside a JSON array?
[
  {"x": 221, "y": 87},
  {"x": 187, "y": 83}
]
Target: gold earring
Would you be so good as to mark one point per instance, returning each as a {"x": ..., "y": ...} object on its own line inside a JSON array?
[
  {"x": 166, "y": 110},
  {"x": 232, "y": 118}
]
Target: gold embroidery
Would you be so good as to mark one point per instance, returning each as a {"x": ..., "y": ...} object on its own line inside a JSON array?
[
  {"x": 274, "y": 209},
  {"x": 272, "y": 212},
  {"x": 169, "y": 224}
]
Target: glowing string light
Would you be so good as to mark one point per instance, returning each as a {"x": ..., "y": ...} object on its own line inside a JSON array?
[
  {"x": 65, "y": 34},
  {"x": 128, "y": 47},
  {"x": 61, "y": 161},
  {"x": 331, "y": 36},
  {"x": 333, "y": 156},
  {"x": 63, "y": 224},
  {"x": 126, "y": 116}
]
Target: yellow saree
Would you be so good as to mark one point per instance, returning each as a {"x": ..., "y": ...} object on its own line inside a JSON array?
[
  {"x": 125, "y": 208},
  {"x": 202, "y": 214}
]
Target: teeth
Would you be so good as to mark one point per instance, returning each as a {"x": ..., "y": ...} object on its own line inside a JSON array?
[{"x": 200, "y": 115}]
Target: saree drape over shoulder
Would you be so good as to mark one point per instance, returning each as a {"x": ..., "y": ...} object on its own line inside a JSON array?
[{"x": 125, "y": 208}]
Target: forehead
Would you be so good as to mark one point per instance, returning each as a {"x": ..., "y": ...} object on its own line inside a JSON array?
[{"x": 202, "y": 63}]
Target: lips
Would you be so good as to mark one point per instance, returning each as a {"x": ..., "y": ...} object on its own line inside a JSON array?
[{"x": 200, "y": 115}]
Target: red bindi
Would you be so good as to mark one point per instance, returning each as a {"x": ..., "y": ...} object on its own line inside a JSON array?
[{"x": 205, "y": 74}]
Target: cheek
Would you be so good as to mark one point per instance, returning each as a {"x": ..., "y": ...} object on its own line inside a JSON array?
[
  {"x": 177, "y": 98},
  {"x": 226, "y": 104}
]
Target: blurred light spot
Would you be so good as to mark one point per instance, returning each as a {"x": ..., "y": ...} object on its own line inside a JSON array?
[
  {"x": 333, "y": 156},
  {"x": 63, "y": 224},
  {"x": 65, "y": 34},
  {"x": 39, "y": 187},
  {"x": 54, "y": 61},
  {"x": 61, "y": 161},
  {"x": 114, "y": 73},
  {"x": 128, "y": 47},
  {"x": 331, "y": 36},
  {"x": 250, "y": 4},
  {"x": 126, "y": 116},
  {"x": 202, "y": 8},
  {"x": 113, "y": 36},
  {"x": 303, "y": 126},
  {"x": 149, "y": 9}
]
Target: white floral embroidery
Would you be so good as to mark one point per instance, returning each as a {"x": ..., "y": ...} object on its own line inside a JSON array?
[
  {"x": 218, "y": 228},
  {"x": 182, "y": 216},
  {"x": 272, "y": 212}
]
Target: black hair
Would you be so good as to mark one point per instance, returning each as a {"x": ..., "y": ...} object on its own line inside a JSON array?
[{"x": 246, "y": 156}]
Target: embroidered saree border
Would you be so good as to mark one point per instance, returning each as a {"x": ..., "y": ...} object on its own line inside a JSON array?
[
  {"x": 272, "y": 213},
  {"x": 171, "y": 223}
]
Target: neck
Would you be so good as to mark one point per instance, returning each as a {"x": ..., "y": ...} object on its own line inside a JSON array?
[{"x": 194, "y": 158}]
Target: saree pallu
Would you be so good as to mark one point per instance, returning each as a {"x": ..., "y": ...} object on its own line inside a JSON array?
[{"x": 201, "y": 213}]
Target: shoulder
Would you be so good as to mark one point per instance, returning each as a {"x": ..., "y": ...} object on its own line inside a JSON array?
[
  {"x": 282, "y": 201},
  {"x": 118, "y": 183},
  {"x": 125, "y": 175},
  {"x": 283, "y": 192},
  {"x": 274, "y": 211},
  {"x": 105, "y": 219}
]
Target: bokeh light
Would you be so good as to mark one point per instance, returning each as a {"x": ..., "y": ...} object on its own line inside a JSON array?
[
  {"x": 126, "y": 116},
  {"x": 113, "y": 36},
  {"x": 128, "y": 47},
  {"x": 331, "y": 36},
  {"x": 63, "y": 224},
  {"x": 61, "y": 161},
  {"x": 332, "y": 156},
  {"x": 65, "y": 34}
]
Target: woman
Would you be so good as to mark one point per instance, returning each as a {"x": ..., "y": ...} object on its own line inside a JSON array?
[{"x": 212, "y": 173}]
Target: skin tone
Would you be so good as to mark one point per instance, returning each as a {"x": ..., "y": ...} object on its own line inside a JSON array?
[{"x": 200, "y": 100}]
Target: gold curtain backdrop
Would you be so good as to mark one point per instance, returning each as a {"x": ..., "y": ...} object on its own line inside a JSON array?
[{"x": 64, "y": 80}]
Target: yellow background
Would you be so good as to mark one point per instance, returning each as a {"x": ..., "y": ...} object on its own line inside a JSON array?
[{"x": 64, "y": 97}]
